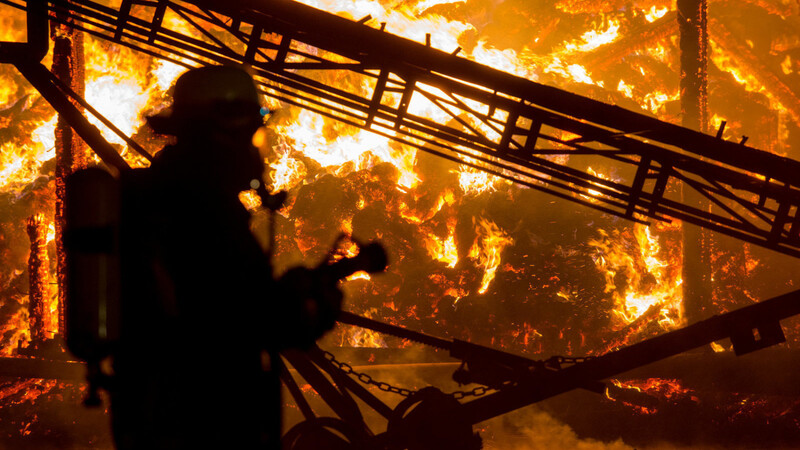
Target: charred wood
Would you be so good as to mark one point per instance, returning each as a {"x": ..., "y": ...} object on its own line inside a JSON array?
[
  {"x": 754, "y": 65},
  {"x": 637, "y": 39},
  {"x": 71, "y": 154},
  {"x": 41, "y": 326}
]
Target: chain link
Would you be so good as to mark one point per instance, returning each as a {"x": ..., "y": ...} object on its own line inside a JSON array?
[
  {"x": 386, "y": 387},
  {"x": 573, "y": 359}
]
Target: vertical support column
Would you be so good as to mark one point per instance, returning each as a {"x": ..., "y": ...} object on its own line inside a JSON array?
[
  {"x": 71, "y": 152},
  {"x": 693, "y": 25},
  {"x": 42, "y": 323}
]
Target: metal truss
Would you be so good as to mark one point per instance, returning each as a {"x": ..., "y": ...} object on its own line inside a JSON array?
[
  {"x": 511, "y": 381},
  {"x": 535, "y": 135}
]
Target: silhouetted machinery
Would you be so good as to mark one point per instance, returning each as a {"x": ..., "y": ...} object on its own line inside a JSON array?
[{"x": 755, "y": 192}]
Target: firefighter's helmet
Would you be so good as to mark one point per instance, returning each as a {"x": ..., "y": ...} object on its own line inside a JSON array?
[{"x": 211, "y": 94}]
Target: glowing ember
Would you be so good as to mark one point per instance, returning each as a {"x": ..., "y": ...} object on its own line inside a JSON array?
[
  {"x": 717, "y": 348},
  {"x": 644, "y": 395}
]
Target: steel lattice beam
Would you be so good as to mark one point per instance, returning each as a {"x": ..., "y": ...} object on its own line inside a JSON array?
[{"x": 476, "y": 115}]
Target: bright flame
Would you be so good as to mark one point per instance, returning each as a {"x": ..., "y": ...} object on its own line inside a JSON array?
[
  {"x": 655, "y": 13},
  {"x": 20, "y": 164},
  {"x": 487, "y": 249},
  {"x": 728, "y": 62},
  {"x": 717, "y": 348},
  {"x": 473, "y": 181},
  {"x": 725, "y": 61},
  {"x": 592, "y": 192},
  {"x": 594, "y": 38},
  {"x": 425, "y": 4},
  {"x": 360, "y": 148},
  {"x": 656, "y": 101},
  {"x": 651, "y": 284},
  {"x": 286, "y": 172},
  {"x": 250, "y": 199},
  {"x": 119, "y": 100},
  {"x": 364, "y": 337},
  {"x": 575, "y": 72},
  {"x": 625, "y": 89},
  {"x": 400, "y": 19},
  {"x": 166, "y": 73},
  {"x": 444, "y": 250},
  {"x": 360, "y": 275},
  {"x": 506, "y": 60},
  {"x": 786, "y": 65}
]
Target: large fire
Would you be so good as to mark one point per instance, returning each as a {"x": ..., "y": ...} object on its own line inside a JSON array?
[{"x": 472, "y": 255}]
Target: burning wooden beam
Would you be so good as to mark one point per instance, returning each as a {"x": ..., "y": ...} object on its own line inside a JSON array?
[
  {"x": 622, "y": 337},
  {"x": 693, "y": 25},
  {"x": 778, "y": 8},
  {"x": 41, "y": 323},
  {"x": 752, "y": 64},
  {"x": 640, "y": 38},
  {"x": 42, "y": 368},
  {"x": 71, "y": 154}
]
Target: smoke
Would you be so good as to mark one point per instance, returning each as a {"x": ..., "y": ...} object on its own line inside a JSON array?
[{"x": 533, "y": 429}]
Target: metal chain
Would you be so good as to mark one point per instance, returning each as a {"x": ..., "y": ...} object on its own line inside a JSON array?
[
  {"x": 386, "y": 387},
  {"x": 573, "y": 359},
  {"x": 476, "y": 392}
]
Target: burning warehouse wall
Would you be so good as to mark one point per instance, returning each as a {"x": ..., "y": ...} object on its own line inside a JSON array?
[{"x": 473, "y": 256}]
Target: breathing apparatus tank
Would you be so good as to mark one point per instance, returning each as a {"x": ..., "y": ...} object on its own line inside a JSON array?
[{"x": 91, "y": 241}]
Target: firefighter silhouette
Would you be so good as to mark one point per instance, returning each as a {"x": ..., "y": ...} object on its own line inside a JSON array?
[{"x": 202, "y": 320}]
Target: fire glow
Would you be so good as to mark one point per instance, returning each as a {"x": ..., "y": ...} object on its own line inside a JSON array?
[
  {"x": 138, "y": 85},
  {"x": 306, "y": 140},
  {"x": 455, "y": 241}
]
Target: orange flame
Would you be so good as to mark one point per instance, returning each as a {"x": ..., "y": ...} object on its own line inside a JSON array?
[
  {"x": 487, "y": 249},
  {"x": 307, "y": 135},
  {"x": 444, "y": 250},
  {"x": 650, "y": 281}
]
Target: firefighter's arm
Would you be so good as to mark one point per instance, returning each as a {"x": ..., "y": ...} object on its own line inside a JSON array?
[{"x": 313, "y": 297}]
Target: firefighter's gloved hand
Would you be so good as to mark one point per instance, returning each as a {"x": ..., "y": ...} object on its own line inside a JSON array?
[{"x": 316, "y": 299}]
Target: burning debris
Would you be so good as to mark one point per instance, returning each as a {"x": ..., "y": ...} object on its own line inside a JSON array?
[{"x": 474, "y": 257}]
